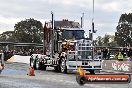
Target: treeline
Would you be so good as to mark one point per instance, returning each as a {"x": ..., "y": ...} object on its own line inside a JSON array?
[
  {"x": 107, "y": 40},
  {"x": 27, "y": 31},
  {"x": 123, "y": 36},
  {"x": 31, "y": 31}
]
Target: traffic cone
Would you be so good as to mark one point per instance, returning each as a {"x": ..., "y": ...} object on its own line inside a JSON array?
[{"x": 31, "y": 72}]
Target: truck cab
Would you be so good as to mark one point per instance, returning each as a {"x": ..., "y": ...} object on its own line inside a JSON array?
[{"x": 66, "y": 38}]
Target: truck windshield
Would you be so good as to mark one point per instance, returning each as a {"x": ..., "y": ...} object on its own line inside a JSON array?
[{"x": 73, "y": 34}]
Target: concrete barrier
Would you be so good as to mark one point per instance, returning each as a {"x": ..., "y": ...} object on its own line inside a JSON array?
[
  {"x": 114, "y": 65},
  {"x": 18, "y": 58}
]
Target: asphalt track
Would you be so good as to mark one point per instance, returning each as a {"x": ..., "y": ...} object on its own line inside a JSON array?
[{"x": 15, "y": 76}]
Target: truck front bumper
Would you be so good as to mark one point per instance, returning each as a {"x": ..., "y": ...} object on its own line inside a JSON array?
[{"x": 87, "y": 68}]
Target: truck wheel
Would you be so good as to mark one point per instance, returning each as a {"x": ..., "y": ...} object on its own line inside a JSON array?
[
  {"x": 63, "y": 67},
  {"x": 32, "y": 63},
  {"x": 31, "y": 59},
  {"x": 81, "y": 80},
  {"x": 44, "y": 67},
  {"x": 57, "y": 68},
  {"x": 37, "y": 65}
]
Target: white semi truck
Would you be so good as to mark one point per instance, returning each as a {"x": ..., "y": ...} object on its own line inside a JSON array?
[{"x": 66, "y": 49}]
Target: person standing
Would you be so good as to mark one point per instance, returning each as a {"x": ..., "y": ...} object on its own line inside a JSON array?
[
  {"x": 30, "y": 52},
  {"x": 108, "y": 54},
  {"x": 105, "y": 51},
  {"x": 120, "y": 56}
]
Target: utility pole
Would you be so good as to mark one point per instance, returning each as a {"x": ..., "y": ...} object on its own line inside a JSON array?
[{"x": 93, "y": 31}]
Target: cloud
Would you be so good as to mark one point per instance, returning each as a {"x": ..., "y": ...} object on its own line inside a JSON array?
[
  {"x": 107, "y": 12},
  {"x": 110, "y": 33},
  {"x": 112, "y": 7},
  {"x": 7, "y": 24},
  {"x": 9, "y": 20}
]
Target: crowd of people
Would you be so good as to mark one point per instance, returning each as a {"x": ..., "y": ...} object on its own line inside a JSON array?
[
  {"x": 119, "y": 54},
  {"x": 122, "y": 54},
  {"x": 104, "y": 53},
  {"x": 22, "y": 52}
]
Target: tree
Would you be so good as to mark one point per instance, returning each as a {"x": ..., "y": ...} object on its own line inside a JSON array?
[
  {"x": 106, "y": 40},
  {"x": 112, "y": 42},
  {"x": 7, "y": 36},
  {"x": 29, "y": 31},
  {"x": 99, "y": 41},
  {"x": 123, "y": 36}
]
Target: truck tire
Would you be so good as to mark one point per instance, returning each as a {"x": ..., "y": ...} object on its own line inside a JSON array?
[
  {"x": 34, "y": 62},
  {"x": 57, "y": 68},
  {"x": 38, "y": 67},
  {"x": 31, "y": 58},
  {"x": 63, "y": 66},
  {"x": 44, "y": 67},
  {"x": 31, "y": 62}
]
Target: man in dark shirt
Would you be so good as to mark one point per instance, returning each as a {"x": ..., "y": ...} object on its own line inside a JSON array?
[{"x": 105, "y": 51}]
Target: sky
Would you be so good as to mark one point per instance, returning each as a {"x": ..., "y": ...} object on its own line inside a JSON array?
[{"x": 106, "y": 13}]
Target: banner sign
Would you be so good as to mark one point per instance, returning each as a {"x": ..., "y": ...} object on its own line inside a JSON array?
[
  {"x": 104, "y": 78},
  {"x": 121, "y": 66}
]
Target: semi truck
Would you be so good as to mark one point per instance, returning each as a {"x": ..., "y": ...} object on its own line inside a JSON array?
[{"x": 66, "y": 48}]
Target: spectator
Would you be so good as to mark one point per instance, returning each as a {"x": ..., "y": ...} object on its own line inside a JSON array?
[
  {"x": 130, "y": 58},
  {"x": 37, "y": 51},
  {"x": 99, "y": 52},
  {"x": 30, "y": 52},
  {"x": 116, "y": 55},
  {"x": 105, "y": 51},
  {"x": 129, "y": 52},
  {"x": 108, "y": 54},
  {"x": 120, "y": 56},
  {"x": 123, "y": 52}
]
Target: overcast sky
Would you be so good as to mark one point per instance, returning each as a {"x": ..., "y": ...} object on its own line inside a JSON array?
[{"x": 107, "y": 12}]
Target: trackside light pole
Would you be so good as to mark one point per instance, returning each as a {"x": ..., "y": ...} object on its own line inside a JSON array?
[{"x": 93, "y": 31}]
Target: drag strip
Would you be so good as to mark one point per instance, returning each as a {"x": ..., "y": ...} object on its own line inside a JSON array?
[{"x": 42, "y": 79}]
